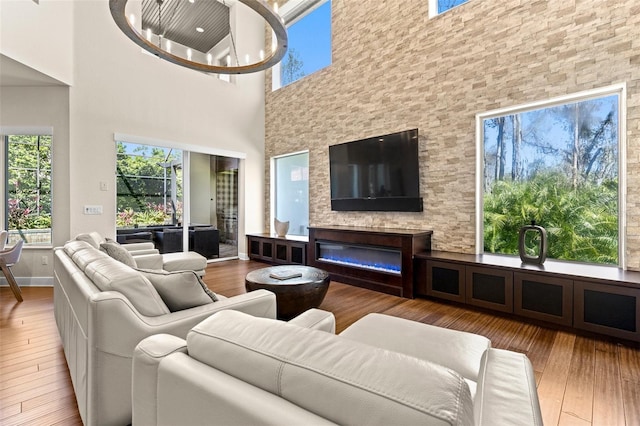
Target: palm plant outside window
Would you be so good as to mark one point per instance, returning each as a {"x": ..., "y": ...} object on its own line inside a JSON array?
[{"x": 558, "y": 166}]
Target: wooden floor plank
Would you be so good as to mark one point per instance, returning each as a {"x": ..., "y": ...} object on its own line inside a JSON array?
[
  {"x": 578, "y": 397},
  {"x": 554, "y": 379},
  {"x": 631, "y": 400},
  {"x": 608, "y": 406}
]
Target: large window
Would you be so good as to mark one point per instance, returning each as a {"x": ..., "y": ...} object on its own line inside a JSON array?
[
  {"x": 28, "y": 188},
  {"x": 149, "y": 185},
  {"x": 557, "y": 164},
  {"x": 309, "y": 48},
  {"x": 290, "y": 183},
  {"x": 437, "y": 7}
]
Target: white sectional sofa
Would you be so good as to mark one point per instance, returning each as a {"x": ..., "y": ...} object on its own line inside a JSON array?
[
  {"x": 104, "y": 308},
  {"x": 235, "y": 369}
]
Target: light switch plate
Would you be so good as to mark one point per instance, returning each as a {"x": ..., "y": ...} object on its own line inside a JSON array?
[{"x": 92, "y": 209}]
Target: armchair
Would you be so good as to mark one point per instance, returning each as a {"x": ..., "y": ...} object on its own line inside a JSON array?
[{"x": 8, "y": 258}]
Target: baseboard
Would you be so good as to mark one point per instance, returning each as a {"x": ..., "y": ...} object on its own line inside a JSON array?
[{"x": 29, "y": 281}]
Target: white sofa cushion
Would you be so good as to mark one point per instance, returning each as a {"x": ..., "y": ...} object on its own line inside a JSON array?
[
  {"x": 94, "y": 238},
  {"x": 110, "y": 275},
  {"x": 457, "y": 350},
  {"x": 180, "y": 289},
  {"x": 341, "y": 380}
]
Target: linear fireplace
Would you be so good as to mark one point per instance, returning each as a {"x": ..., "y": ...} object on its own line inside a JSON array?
[
  {"x": 379, "y": 259},
  {"x": 360, "y": 256}
]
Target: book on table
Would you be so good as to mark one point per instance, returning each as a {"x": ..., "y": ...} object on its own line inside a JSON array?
[{"x": 285, "y": 274}]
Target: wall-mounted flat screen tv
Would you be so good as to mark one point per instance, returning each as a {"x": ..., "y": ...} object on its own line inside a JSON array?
[{"x": 380, "y": 173}]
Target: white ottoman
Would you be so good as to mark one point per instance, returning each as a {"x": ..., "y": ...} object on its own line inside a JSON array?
[{"x": 184, "y": 261}]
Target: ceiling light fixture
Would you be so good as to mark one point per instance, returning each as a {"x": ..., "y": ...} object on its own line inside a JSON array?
[{"x": 201, "y": 62}]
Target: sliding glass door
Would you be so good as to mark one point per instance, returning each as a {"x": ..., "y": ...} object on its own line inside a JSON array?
[{"x": 155, "y": 184}]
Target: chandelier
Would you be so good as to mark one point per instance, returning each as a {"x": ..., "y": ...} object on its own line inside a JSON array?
[{"x": 193, "y": 33}]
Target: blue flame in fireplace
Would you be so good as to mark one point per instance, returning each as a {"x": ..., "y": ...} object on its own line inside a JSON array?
[{"x": 349, "y": 261}]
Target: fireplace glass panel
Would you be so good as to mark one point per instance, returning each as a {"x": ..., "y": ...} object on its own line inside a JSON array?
[{"x": 365, "y": 257}]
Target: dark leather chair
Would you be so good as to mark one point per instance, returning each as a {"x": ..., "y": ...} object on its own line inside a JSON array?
[
  {"x": 205, "y": 241},
  {"x": 169, "y": 240}
]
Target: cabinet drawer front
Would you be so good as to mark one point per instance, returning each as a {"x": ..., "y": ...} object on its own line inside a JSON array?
[
  {"x": 544, "y": 298},
  {"x": 607, "y": 309},
  {"x": 446, "y": 280},
  {"x": 490, "y": 288}
]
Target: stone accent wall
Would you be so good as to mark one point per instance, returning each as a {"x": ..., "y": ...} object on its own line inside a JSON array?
[{"x": 394, "y": 69}]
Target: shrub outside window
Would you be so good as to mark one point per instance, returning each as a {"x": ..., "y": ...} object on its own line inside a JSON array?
[
  {"x": 558, "y": 165},
  {"x": 28, "y": 188}
]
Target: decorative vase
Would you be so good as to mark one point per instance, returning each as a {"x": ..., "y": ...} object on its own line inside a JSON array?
[
  {"x": 541, "y": 248},
  {"x": 281, "y": 227}
]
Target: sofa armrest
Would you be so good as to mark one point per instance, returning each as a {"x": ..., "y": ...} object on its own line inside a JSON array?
[
  {"x": 146, "y": 360},
  {"x": 116, "y": 327},
  {"x": 316, "y": 319},
  {"x": 135, "y": 247},
  {"x": 506, "y": 392},
  {"x": 149, "y": 261}
]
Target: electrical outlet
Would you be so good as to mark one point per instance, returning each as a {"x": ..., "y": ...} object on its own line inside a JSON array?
[
  {"x": 45, "y": 260},
  {"x": 92, "y": 209},
  {"x": 104, "y": 185}
]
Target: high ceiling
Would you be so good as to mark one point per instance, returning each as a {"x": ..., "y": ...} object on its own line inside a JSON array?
[{"x": 177, "y": 21}]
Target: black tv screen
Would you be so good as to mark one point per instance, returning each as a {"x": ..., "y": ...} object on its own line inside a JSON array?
[{"x": 380, "y": 173}]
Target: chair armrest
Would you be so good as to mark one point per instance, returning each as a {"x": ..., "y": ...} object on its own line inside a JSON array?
[
  {"x": 506, "y": 390},
  {"x": 133, "y": 247},
  {"x": 149, "y": 261},
  {"x": 146, "y": 360},
  {"x": 316, "y": 319}
]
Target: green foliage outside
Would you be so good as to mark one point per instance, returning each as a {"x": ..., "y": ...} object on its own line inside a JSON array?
[
  {"x": 581, "y": 225},
  {"x": 29, "y": 184},
  {"x": 144, "y": 185}
]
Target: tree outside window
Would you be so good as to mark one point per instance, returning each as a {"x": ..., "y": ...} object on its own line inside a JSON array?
[
  {"x": 28, "y": 189},
  {"x": 557, "y": 166}
]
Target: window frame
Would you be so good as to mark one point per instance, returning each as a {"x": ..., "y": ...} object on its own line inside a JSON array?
[
  {"x": 616, "y": 89},
  {"x": 5, "y": 133},
  {"x": 433, "y": 8}
]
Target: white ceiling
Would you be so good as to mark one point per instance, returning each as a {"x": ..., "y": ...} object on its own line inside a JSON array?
[{"x": 13, "y": 73}]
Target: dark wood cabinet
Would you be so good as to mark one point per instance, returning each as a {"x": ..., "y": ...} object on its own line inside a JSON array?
[
  {"x": 546, "y": 298},
  {"x": 489, "y": 288},
  {"x": 607, "y": 309},
  {"x": 601, "y": 299},
  {"x": 446, "y": 281},
  {"x": 277, "y": 250}
]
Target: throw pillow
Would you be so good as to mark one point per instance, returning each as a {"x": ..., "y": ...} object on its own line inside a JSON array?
[
  {"x": 119, "y": 253},
  {"x": 180, "y": 289}
]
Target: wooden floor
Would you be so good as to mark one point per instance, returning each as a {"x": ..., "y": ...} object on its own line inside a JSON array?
[{"x": 581, "y": 380}]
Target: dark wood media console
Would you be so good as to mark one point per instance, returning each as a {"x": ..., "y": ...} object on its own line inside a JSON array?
[
  {"x": 379, "y": 259},
  {"x": 600, "y": 299}
]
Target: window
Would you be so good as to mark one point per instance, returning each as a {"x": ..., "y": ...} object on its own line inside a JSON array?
[
  {"x": 309, "y": 48},
  {"x": 290, "y": 190},
  {"x": 149, "y": 185},
  {"x": 558, "y": 164},
  {"x": 437, "y": 7},
  {"x": 28, "y": 188}
]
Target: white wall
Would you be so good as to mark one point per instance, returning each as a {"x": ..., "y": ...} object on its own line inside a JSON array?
[
  {"x": 42, "y": 107},
  {"x": 118, "y": 89},
  {"x": 39, "y": 35}
]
